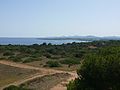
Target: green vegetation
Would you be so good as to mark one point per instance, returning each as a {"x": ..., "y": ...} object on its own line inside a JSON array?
[
  {"x": 70, "y": 61},
  {"x": 8, "y": 53},
  {"x": 99, "y": 71},
  {"x": 53, "y": 64},
  {"x": 12, "y": 87},
  {"x": 99, "y": 61},
  {"x": 69, "y": 54}
]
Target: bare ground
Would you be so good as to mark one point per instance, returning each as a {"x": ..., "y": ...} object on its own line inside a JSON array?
[
  {"x": 45, "y": 74},
  {"x": 10, "y": 74},
  {"x": 46, "y": 82}
]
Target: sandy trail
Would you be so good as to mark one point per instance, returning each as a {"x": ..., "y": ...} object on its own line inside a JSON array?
[
  {"x": 39, "y": 74},
  {"x": 19, "y": 65},
  {"x": 62, "y": 85}
]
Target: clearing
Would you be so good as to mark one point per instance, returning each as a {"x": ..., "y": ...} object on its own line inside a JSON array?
[{"x": 32, "y": 77}]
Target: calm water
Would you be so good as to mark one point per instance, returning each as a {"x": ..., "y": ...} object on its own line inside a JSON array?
[{"x": 30, "y": 41}]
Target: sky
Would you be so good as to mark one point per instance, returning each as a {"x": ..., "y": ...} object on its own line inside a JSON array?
[{"x": 48, "y": 18}]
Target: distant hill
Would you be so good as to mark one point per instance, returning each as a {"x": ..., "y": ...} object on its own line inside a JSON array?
[{"x": 82, "y": 38}]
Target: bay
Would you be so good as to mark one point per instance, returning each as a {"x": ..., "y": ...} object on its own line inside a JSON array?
[{"x": 30, "y": 41}]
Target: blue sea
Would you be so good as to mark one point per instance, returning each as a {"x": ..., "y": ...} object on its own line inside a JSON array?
[{"x": 30, "y": 41}]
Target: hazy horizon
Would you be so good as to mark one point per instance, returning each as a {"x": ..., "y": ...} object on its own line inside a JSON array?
[
  {"x": 67, "y": 36},
  {"x": 54, "y": 18}
]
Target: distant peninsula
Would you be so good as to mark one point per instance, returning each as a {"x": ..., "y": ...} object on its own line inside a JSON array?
[{"x": 82, "y": 38}]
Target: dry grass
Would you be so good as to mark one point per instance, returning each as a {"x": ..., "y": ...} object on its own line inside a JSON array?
[
  {"x": 9, "y": 74},
  {"x": 46, "y": 82},
  {"x": 44, "y": 60}
]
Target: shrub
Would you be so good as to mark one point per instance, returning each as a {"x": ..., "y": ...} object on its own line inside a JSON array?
[
  {"x": 12, "y": 87},
  {"x": 47, "y": 55},
  {"x": 98, "y": 73},
  {"x": 52, "y": 51},
  {"x": 2, "y": 58},
  {"x": 79, "y": 54},
  {"x": 36, "y": 55},
  {"x": 78, "y": 84},
  {"x": 55, "y": 57},
  {"x": 8, "y": 53},
  {"x": 15, "y": 58},
  {"x": 70, "y": 61},
  {"x": 30, "y": 59},
  {"x": 52, "y": 64}
]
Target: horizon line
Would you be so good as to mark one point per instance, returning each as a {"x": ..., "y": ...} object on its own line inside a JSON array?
[{"x": 65, "y": 36}]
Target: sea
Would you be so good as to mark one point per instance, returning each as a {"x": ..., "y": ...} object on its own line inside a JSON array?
[{"x": 31, "y": 41}]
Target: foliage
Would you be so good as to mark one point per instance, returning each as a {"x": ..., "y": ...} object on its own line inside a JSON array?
[
  {"x": 78, "y": 84},
  {"x": 74, "y": 50},
  {"x": 15, "y": 58},
  {"x": 30, "y": 59},
  {"x": 70, "y": 61},
  {"x": 52, "y": 64},
  {"x": 99, "y": 71},
  {"x": 8, "y": 53},
  {"x": 47, "y": 55},
  {"x": 12, "y": 87},
  {"x": 79, "y": 54}
]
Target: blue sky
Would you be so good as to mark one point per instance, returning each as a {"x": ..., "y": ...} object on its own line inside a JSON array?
[{"x": 44, "y": 18}]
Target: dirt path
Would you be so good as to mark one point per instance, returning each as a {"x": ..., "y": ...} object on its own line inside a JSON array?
[
  {"x": 43, "y": 70},
  {"x": 24, "y": 66},
  {"x": 62, "y": 85}
]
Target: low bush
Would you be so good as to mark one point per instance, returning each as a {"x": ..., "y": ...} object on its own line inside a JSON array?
[
  {"x": 29, "y": 59},
  {"x": 70, "y": 61},
  {"x": 8, "y": 53},
  {"x": 53, "y": 64},
  {"x": 12, "y": 87},
  {"x": 15, "y": 58},
  {"x": 2, "y": 58},
  {"x": 55, "y": 57},
  {"x": 47, "y": 55},
  {"x": 98, "y": 72}
]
